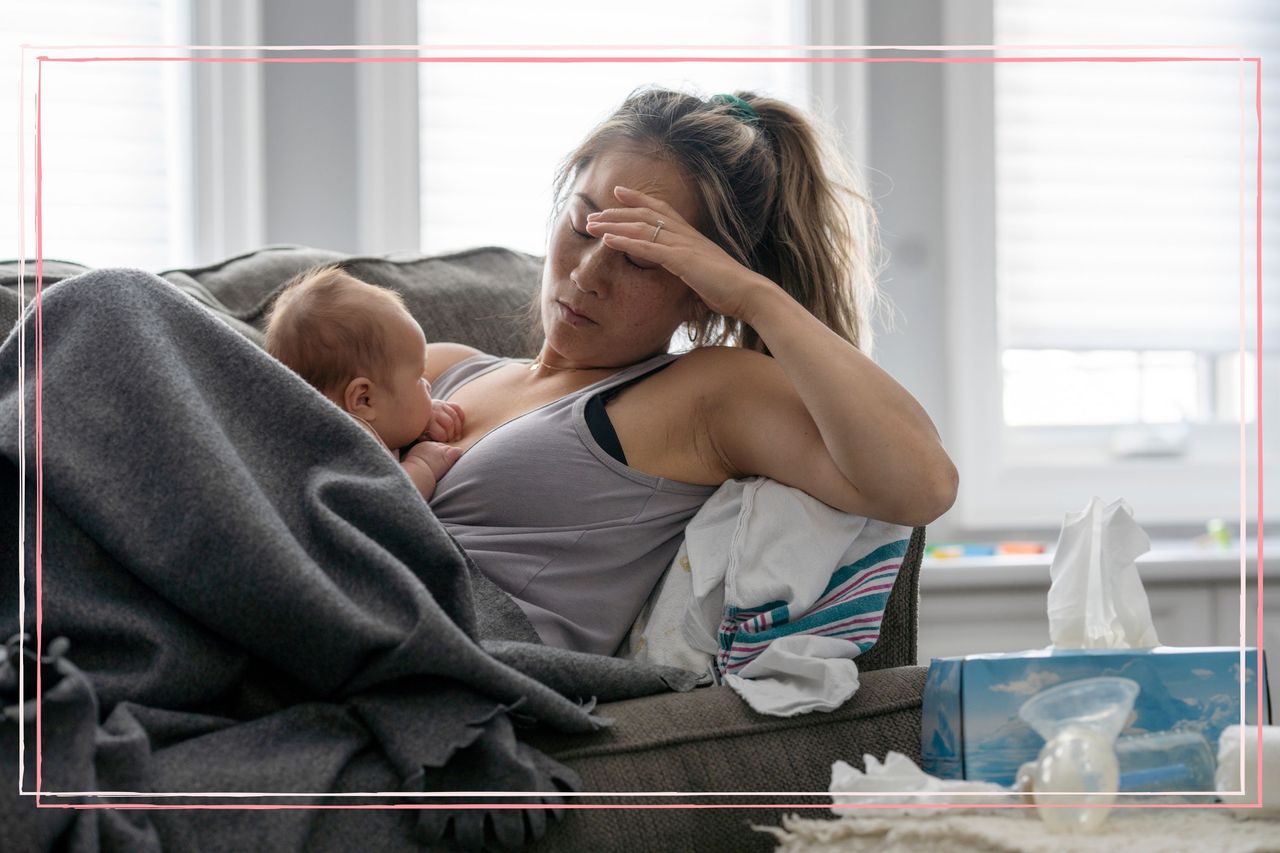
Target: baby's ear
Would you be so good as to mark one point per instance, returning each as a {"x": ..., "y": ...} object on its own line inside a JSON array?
[{"x": 356, "y": 398}]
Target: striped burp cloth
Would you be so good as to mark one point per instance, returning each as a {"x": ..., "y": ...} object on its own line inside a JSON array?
[{"x": 850, "y": 607}]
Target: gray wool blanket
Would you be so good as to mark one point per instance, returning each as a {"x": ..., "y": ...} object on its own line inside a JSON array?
[{"x": 242, "y": 592}]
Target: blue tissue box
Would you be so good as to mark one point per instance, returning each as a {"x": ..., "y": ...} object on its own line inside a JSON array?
[{"x": 970, "y": 728}]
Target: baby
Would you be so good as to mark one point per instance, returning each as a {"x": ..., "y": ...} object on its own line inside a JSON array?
[{"x": 360, "y": 347}]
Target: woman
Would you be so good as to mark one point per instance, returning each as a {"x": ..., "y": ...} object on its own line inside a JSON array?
[{"x": 722, "y": 216}]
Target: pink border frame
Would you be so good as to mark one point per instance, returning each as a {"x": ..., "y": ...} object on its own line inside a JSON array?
[{"x": 42, "y": 58}]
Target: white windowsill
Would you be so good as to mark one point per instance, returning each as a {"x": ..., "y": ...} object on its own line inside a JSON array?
[{"x": 1168, "y": 561}]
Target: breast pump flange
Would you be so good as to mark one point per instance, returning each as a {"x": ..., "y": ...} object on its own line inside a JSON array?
[{"x": 1077, "y": 766}]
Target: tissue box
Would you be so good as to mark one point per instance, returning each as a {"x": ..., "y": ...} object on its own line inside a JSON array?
[{"x": 970, "y": 727}]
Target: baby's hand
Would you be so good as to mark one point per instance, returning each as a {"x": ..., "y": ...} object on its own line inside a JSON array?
[
  {"x": 438, "y": 457},
  {"x": 446, "y": 422}
]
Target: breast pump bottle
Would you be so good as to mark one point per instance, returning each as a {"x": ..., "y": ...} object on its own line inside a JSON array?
[{"x": 1079, "y": 721}]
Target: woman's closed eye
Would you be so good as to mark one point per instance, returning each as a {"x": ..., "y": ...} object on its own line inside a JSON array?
[{"x": 584, "y": 235}]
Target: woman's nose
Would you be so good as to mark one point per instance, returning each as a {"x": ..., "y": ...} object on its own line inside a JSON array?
[{"x": 590, "y": 273}]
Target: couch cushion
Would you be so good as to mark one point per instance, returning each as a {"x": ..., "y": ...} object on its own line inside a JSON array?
[
  {"x": 477, "y": 297},
  {"x": 709, "y": 740}
]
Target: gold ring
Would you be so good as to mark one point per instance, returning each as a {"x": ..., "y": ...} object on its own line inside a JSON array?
[{"x": 656, "y": 230}]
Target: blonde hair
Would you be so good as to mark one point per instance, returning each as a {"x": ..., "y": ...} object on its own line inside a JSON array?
[
  {"x": 322, "y": 327},
  {"x": 771, "y": 193}
]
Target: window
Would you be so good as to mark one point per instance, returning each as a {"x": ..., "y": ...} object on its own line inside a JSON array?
[
  {"x": 1044, "y": 387},
  {"x": 1096, "y": 216},
  {"x": 115, "y": 136},
  {"x": 492, "y": 134},
  {"x": 1117, "y": 217}
]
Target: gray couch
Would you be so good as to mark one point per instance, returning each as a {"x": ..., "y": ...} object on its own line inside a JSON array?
[{"x": 704, "y": 741}]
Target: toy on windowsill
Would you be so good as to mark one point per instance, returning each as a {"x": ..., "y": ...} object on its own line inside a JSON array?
[
  {"x": 946, "y": 551},
  {"x": 1216, "y": 536}
]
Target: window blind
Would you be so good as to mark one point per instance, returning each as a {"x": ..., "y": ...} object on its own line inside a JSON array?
[
  {"x": 492, "y": 135},
  {"x": 114, "y": 135},
  {"x": 1119, "y": 184}
]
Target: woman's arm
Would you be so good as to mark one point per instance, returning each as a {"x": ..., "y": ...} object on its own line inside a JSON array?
[
  {"x": 824, "y": 418},
  {"x": 819, "y": 415}
]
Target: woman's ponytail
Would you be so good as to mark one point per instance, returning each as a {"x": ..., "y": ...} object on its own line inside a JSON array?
[{"x": 821, "y": 242}]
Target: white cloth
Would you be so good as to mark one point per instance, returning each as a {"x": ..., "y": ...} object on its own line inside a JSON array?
[
  {"x": 782, "y": 546},
  {"x": 797, "y": 674},
  {"x": 757, "y": 543},
  {"x": 657, "y": 636}
]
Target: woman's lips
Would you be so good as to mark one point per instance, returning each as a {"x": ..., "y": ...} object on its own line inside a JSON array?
[{"x": 573, "y": 317}]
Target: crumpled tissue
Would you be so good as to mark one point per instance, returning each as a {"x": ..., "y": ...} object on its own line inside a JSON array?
[
  {"x": 899, "y": 781},
  {"x": 1096, "y": 598}
]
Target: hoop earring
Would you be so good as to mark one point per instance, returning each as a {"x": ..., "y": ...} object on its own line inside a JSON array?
[{"x": 691, "y": 332}]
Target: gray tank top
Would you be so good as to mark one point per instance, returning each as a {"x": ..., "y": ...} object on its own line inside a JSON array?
[{"x": 578, "y": 538}]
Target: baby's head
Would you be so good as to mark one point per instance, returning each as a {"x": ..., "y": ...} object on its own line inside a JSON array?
[{"x": 359, "y": 346}]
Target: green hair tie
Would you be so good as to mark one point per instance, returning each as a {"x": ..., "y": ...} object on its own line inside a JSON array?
[{"x": 738, "y": 108}]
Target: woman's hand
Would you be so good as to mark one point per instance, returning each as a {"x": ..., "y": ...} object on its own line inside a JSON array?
[
  {"x": 446, "y": 422},
  {"x": 724, "y": 285}
]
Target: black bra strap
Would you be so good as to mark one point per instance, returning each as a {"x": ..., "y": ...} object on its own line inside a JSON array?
[
  {"x": 598, "y": 419},
  {"x": 602, "y": 429}
]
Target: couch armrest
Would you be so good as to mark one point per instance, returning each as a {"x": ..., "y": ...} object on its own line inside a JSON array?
[
  {"x": 710, "y": 740},
  {"x": 716, "y": 725},
  {"x": 900, "y": 627}
]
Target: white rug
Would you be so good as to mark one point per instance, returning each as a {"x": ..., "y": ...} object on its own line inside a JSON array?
[{"x": 1164, "y": 830}]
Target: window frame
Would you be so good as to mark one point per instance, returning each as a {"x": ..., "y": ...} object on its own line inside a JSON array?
[
  {"x": 1026, "y": 477},
  {"x": 387, "y": 130},
  {"x": 228, "y": 153}
]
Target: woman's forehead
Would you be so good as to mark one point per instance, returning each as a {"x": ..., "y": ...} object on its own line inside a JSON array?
[{"x": 620, "y": 167}]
